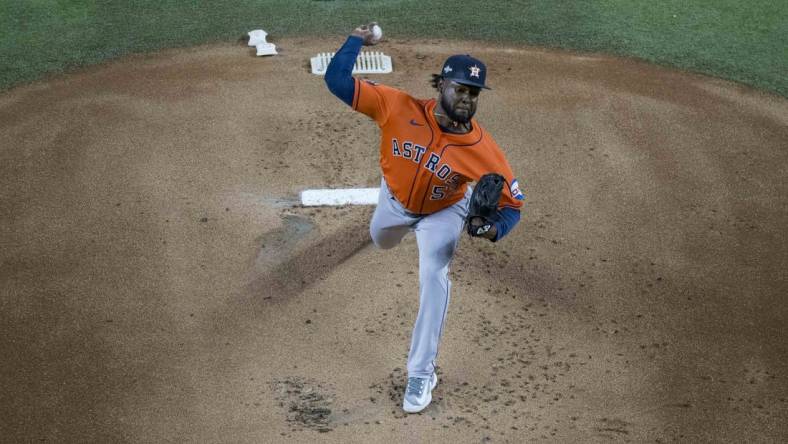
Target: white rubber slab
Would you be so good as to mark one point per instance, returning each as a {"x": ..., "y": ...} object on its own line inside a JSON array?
[{"x": 348, "y": 196}]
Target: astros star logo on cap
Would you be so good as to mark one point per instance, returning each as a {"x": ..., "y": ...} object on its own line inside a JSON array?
[{"x": 474, "y": 71}]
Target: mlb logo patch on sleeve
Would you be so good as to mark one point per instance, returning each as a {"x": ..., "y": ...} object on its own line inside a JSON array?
[{"x": 515, "y": 189}]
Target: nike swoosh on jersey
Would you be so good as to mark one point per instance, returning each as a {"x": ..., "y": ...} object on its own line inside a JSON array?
[{"x": 415, "y": 123}]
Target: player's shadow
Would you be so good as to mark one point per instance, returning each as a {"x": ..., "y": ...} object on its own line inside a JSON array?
[
  {"x": 298, "y": 265},
  {"x": 305, "y": 265}
]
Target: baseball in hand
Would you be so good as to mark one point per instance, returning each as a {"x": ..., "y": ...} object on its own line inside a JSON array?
[{"x": 377, "y": 33}]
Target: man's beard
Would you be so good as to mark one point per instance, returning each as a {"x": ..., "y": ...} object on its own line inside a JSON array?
[{"x": 451, "y": 114}]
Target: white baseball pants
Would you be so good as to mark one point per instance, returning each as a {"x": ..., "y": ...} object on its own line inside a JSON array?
[{"x": 437, "y": 236}]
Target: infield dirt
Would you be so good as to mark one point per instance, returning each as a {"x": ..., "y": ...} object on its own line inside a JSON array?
[{"x": 159, "y": 282}]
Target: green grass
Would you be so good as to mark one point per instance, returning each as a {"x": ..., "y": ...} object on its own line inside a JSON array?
[{"x": 742, "y": 41}]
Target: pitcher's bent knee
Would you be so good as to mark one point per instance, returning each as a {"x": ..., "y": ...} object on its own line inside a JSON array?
[{"x": 384, "y": 239}]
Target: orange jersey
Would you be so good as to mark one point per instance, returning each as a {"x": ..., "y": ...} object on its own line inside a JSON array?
[{"x": 425, "y": 168}]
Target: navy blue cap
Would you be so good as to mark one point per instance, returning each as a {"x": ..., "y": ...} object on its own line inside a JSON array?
[{"x": 463, "y": 68}]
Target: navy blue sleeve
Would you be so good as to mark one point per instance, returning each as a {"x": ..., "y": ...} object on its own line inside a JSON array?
[
  {"x": 508, "y": 219},
  {"x": 339, "y": 74}
]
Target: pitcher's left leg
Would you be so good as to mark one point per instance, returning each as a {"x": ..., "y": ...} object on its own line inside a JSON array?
[{"x": 437, "y": 236}]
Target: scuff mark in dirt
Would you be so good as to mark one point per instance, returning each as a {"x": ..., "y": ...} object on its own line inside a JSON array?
[
  {"x": 307, "y": 403},
  {"x": 612, "y": 427}
]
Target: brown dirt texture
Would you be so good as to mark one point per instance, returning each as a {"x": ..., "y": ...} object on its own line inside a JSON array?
[{"x": 160, "y": 282}]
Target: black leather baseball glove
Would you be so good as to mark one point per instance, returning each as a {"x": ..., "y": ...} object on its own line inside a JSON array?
[{"x": 483, "y": 209}]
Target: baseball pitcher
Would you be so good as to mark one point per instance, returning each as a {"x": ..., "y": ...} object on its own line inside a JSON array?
[{"x": 430, "y": 149}]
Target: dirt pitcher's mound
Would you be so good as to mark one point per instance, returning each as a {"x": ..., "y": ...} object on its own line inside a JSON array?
[{"x": 157, "y": 283}]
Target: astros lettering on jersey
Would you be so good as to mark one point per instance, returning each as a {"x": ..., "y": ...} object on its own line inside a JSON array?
[{"x": 425, "y": 168}]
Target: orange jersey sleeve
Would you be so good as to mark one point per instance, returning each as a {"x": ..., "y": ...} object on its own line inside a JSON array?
[{"x": 375, "y": 100}]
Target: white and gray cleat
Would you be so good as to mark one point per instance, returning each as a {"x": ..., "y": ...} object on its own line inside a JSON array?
[{"x": 418, "y": 393}]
